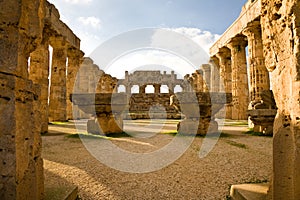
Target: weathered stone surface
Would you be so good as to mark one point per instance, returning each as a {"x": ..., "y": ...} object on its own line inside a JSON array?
[
  {"x": 38, "y": 73},
  {"x": 155, "y": 106},
  {"x": 258, "y": 73},
  {"x": 249, "y": 13},
  {"x": 107, "y": 109},
  {"x": 75, "y": 58},
  {"x": 226, "y": 76},
  {"x": 199, "y": 110},
  {"x": 240, "y": 91},
  {"x": 21, "y": 167},
  {"x": 280, "y": 33},
  {"x": 58, "y": 92}
]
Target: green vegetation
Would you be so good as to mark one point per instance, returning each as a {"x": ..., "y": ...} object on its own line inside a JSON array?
[
  {"x": 94, "y": 136},
  {"x": 58, "y": 123},
  {"x": 236, "y": 144},
  {"x": 257, "y": 181},
  {"x": 228, "y": 122}
]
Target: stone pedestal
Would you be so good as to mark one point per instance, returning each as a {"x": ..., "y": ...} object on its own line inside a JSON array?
[
  {"x": 107, "y": 109},
  {"x": 105, "y": 124},
  {"x": 199, "y": 110}
]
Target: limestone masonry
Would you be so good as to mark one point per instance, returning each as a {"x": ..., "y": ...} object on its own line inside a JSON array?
[{"x": 264, "y": 89}]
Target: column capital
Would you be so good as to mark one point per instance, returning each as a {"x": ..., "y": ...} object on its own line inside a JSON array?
[
  {"x": 74, "y": 52},
  {"x": 206, "y": 67},
  {"x": 224, "y": 53},
  {"x": 237, "y": 42},
  {"x": 214, "y": 60},
  {"x": 252, "y": 28},
  {"x": 58, "y": 42}
]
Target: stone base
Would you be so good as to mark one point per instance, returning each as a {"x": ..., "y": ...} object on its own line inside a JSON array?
[
  {"x": 105, "y": 125},
  {"x": 249, "y": 192},
  {"x": 265, "y": 129},
  {"x": 193, "y": 126}
]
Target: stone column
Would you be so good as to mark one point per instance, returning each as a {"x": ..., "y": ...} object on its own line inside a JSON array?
[
  {"x": 39, "y": 74},
  {"x": 171, "y": 88},
  {"x": 259, "y": 75},
  {"x": 21, "y": 165},
  {"x": 142, "y": 89},
  {"x": 280, "y": 33},
  {"x": 240, "y": 91},
  {"x": 58, "y": 92},
  {"x": 128, "y": 89},
  {"x": 215, "y": 74},
  {"x": 207, "y": 75},
  {"x": 75, "y": 57},
  {"x": 224, "y": 57},
  {"x": 157, "y": 88}
]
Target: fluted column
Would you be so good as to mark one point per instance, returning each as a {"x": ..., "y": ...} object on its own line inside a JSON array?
[
  {"x": 215, "y": 74},
  {"x": 58, "y": 101},
  {"x": 224, "y": 56},
  {"x": 259, "y": 75},
  {"x": 75, "y": 57},
  {"x": 39, "y": 73},
  {"x": 225, "y": 69},
  {"x": 207, "y": 75},
  {"x": 240, "y": 91}
]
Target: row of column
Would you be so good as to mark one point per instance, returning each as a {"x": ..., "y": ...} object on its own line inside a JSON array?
[
  {"x": 231, "y": 68},
  {"x": 56, "y": 105}
]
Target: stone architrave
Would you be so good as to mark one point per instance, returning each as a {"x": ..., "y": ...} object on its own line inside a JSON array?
[
  {"x": 240, "y": 90},
  {"x": 259, "y": 75},
  {"x": 58, "y": 87},
  {"x": 21, "y": 165},
  {"x": 75, "y": 58},
  {"x": 39, "y": 74},
  {"x": 281, "y": 42}
]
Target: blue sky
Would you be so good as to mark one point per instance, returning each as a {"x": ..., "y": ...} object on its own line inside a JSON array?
[
  {"x": 96, "y": 21},
  {"x": 102, "y": 19}
]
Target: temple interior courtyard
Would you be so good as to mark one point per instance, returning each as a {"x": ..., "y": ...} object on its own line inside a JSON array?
[{"x": 70, "y": 130}]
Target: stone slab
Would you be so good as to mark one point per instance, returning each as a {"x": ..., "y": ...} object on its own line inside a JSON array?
[{"x": 249, "y": 192}]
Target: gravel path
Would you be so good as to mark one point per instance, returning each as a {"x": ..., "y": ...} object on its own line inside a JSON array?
[{"x": 236, "y": 158}]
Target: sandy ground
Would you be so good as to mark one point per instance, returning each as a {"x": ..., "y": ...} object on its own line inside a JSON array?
[{"x": 236, "y": 158}]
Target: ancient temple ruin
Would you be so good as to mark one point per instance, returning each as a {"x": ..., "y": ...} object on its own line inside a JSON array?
[
  {"x": 27, "y": 30},
  {"x": 269, "y": 28}
]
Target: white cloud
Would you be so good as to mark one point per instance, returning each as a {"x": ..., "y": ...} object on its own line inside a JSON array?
[
  {"x": 78, "y": 1},
  {"x": 203, "y": 38},
  {"x": 89, "y": 42},
  {"x": 90, "y": 21},
  {"x": 149, "y": 60}
]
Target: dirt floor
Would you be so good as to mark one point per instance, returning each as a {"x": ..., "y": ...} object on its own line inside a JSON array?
[{"x": 236, "y": 158}]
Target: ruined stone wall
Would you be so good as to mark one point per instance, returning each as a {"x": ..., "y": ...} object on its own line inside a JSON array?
[
  {"x": 21, "y": 165},
  {"x": 155, "y": 106},
  {"x": 281, "y": 39}
]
